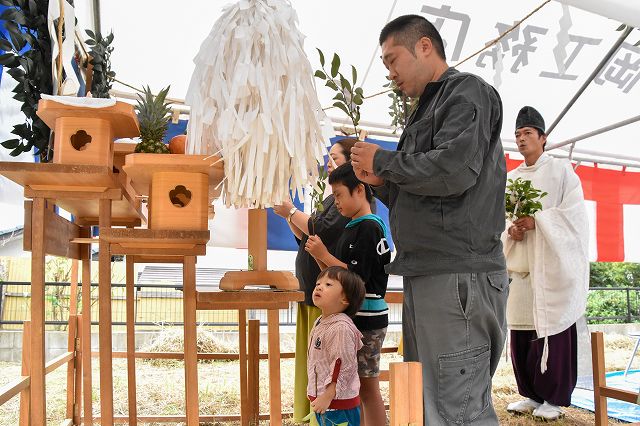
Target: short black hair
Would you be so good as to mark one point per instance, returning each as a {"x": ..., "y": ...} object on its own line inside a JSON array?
[
  {"x": 345, "y": 175},
  {"x": 408, "y": 29},
  {"x": 352, "y": 286}
]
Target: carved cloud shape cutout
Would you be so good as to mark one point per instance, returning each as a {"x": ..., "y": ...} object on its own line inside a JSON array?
[
  {"x": 180, "y": 196},
  {"x": 80, "y": 140}
]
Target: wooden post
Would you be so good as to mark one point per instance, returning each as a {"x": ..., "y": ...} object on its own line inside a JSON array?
[
  {"x": 258, "y": 238},
  {"x": 72, "y": 331},
  {"x": 131, "y": 342},
  {"x": 38, "y": 394},
  {"x": 405, "y": 393},
  {"x": 104, "y": 301},
  {"x": 253, "y": 375},
  {"x": 599, "y": 380},
  {"x": 87, "y": 384},
  {"x": 77, "y": 411},
  {"x": 71, "y": 338},
  {"x": 190, "y": 339},
  {"x": 242, "y": 343},
  {"x": 25, "y": 395},
  {"x": 275, "y": 404}
]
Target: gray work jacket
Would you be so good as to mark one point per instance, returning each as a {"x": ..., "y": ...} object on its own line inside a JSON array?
[{"x": 445, "y": 184}]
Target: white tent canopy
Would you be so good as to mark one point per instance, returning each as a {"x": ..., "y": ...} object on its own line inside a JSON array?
[{"x": 541, "y": 63}]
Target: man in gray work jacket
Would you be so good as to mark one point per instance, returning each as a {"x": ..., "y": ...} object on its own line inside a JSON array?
[{"x": 444, "y": 187}]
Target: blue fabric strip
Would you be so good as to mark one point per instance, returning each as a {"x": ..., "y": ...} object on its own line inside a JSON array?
[{"x": 373, "y": 217}]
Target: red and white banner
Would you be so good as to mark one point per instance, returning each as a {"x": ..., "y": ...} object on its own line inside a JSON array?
[{"x": 613, "y": 204}]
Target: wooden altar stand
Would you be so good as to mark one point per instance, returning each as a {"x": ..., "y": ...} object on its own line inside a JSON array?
[
  {"x": 172, "y": 244},
  {"x": 95, "y": 195}
]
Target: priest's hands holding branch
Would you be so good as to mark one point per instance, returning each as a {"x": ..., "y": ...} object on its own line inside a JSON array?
[
  {"x": 362, "y": 155},
  {"x": 520, "y": 226}
]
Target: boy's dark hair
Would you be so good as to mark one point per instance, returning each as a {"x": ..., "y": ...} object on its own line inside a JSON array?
[
  {"x": 346, "y": 144},
  {"x": 352, "y": 286},
  {"x": 408, "y": 29},
  {"x": 345, "y": 175}
]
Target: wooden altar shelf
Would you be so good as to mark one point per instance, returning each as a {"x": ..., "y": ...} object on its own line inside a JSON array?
[
  {"x": 141, "y": 167},
  {"x": 237, "y": 280},
  {"x": 85, "y": 135},
  {"x": 77, "y": 189},
  {"x": 152, "y": 242}
]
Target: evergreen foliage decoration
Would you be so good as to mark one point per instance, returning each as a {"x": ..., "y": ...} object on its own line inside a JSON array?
[
  {"x": 28, "y": 59},
  {"x": 100, "y": 53}
]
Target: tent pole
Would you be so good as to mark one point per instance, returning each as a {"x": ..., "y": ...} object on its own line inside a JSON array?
[
  {"x": 97, "y": 24},
  {"x": 593, "y": 75},
  {"x": 594, "y": 132}
]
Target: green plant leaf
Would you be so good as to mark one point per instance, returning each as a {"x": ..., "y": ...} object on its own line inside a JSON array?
[
  {"x": 331, "y": 84},
  {"x": 621, "y": 27},
  {"x": 91, "y": 34},
  {"x": 342, "y": 106},
  {"x": 11, "y": 143},
  {"x": 335, "y": 65},
  {"x": 345, "y": 84},
  {"x": 354, "y": 74},
  {"x": 321, "y": 57},
  {"x": 320, "y": 74},
  {"x": 5, "y": 44}
]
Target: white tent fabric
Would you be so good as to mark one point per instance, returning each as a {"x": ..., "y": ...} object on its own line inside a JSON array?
[
  {"x": 621, "y": 10},
  {"x": 542, "y": 63}
]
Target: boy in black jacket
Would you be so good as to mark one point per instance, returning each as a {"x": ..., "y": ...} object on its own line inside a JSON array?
[{"x": 363, "y": 249}]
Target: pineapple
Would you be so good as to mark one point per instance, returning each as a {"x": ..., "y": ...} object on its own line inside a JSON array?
[{"x": 153, "y": 115}]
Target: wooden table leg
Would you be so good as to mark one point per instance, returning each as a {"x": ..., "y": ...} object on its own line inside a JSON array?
[
  {"x": 38, "y": 394},
  {"x": 87, "y": 384},
  {"x": 71, "y": 339},
  {"x": 599, "y": 379},
  {"x": 131, "y": 342},
  {"x": 190, "y": 337},
  {"x": 25, "y": 395},
  {"x": 253, "y": 369},
  {"x": 242, "y": 343},
  {"x": 77, "y": 409},
  {"x": 104, "y": 301},
  {"x": 275, "y": 405}
]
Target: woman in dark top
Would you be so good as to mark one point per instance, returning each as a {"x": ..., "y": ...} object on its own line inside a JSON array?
[{"x": 328, "y": 225}]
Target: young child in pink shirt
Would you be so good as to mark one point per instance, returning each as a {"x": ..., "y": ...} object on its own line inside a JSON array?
[{"x": 332, "y": 364}]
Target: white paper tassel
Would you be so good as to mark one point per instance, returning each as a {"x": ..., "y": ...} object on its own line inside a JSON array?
[{"x": 253, "y": 99}]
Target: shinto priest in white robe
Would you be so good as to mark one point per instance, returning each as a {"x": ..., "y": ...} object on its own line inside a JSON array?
[{"x": 554, "y": 254}]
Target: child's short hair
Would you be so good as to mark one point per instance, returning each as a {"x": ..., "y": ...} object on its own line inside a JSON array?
[
  {"x": 345, "y": 175},
  {"x": 352, "y": 286}
]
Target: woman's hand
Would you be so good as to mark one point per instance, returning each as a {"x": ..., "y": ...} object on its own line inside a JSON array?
[
  {"x": 283, "y": 209},
  {"x": 315, "y": 247}
]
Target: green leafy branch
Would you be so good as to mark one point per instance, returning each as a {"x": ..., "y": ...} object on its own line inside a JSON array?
[
  {"x": 522, "y": 199},
  {"x": 317, "y": 196},
  {"x": 27, "y": 57},
  {"x": 401, "y": 106},
  {"x": 348, "y": 97},
  {"x": 100, "y": 53}
]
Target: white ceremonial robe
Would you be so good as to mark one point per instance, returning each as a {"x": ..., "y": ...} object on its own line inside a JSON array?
[{"x": 558, "y": 248}]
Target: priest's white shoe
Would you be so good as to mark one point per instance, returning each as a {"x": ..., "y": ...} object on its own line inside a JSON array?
[
  {"x": 525, "y": 406},
  {"x": 548, "y": 411}
]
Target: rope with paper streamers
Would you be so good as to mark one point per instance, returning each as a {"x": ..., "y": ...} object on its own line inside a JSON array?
[{"x": 253, "y": 100}]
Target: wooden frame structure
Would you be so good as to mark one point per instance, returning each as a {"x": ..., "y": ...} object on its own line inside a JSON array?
[
  {"x": 600, "y": 389},
  {"x": 109, "y": 197}
]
